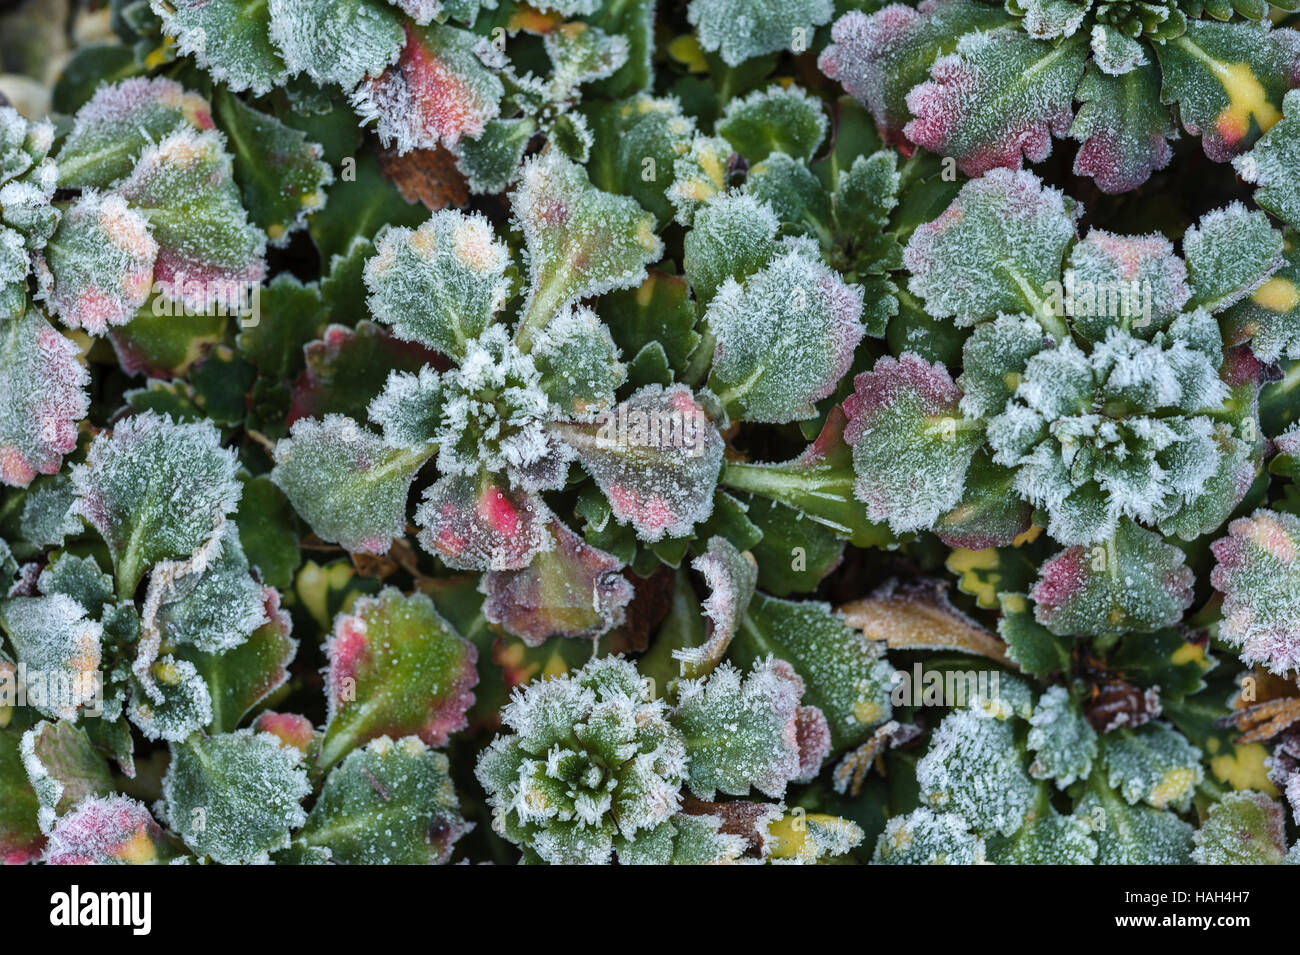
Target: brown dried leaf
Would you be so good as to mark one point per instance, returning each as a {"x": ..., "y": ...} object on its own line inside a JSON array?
[
  {"x": 921, "y": 618},
  {"x": 428, "y": 176}
]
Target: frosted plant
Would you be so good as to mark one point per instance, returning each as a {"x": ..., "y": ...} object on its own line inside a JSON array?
[
  {"x": 502, "y": 425},
  {"x": 1257, "y": 574},
  {"x": 595, "y": 763},
  {"x": 1246, "y": 828},
  {"x": 27, "y": 217},
  {"x": 138, "y": 644},
  {"x": 992, "y": 88},
  {"x": 1094, "y": 383}
]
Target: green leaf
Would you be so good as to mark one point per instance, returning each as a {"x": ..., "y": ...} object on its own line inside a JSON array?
[
  {"x": 279, "y": 171},
  {"x": 1245, "y": 828},
  {"x": 778, "y": 119},
  {"x": 396, "y": 668},
  {"x": 129, "y": 490},
  {"x": 346, "y": 482},
  {"x": 1123, "y": 128},
  {"x": 391, "y": 803},
  {"x": 361, "y": 201},
  {"x": 635, "y": 144},
  {"x": 241, "y": 678},
  {"x": 1228, "y": 80},
  {"x": 1133, "y": 835},
  {"x": 228, "y": 39},
  {"x": 795, "y": 552},
  {"x": 818, "y": 483},
  {"x": 336, "y": 41},
  {"x": 1132, "y": 582},
  {"x": 741, "y": 29},
  {"x": 234, "y": 797},
  {"x": 845, "y": 676},
  {"x": 580, "y": 241},
  {"x": 658, "y": 311},
  {"x": 267, "y": 531}
]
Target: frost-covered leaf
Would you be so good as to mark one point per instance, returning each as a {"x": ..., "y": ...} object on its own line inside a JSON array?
[
  {"x": 217, "y": 608},
  {"x": 1230, "y": 253},
  {"x": 1051, "y": 839},
  {"x": 490, "y": 160},
  {"x": 731, "y": 576},
  {"x": 655, "y": 457},
  {"x": 97, "y": 268},
  {"x": 741, "y": 29},
  {"x": 1154, "y": 764},
  {"x": 228, "y": 39},
  {"x": 1228, "y": 80},
  {"x": 784, "y": 338},
  {"x": 234, "y": 797},
  {"x": 570, "y": 589},
  {"x": 346, "y": 482},
  {"x": 53, "y": 635},
  {"x": 436, "y": 93},
  {"x": 475, "y": 522},
  {"x": 112, "y": 129},
  {"x": 635, "y": 147},
  {"x": 1062, "y": 741},
  {"x": 155, "y": 490},
  {"x": 1273, "y": 163},
  {"x": 1269, "y": 318},
  {"x": 795, "y": 552},
  {"x": 733, "y": 237},
  {"x": 63, "y": 767},
  {"x": 108, "y": 830},
  {"x": 742, "y": 730},
  {"x": 240, "y": 678},
  {"x": 777, "y": 119},
  {"x": 578, "y": 363},
  {"x": 845, "y": 676},
  {"x": 974, "y": 769},
  {"x": 47, "y": 518},
  {"x": 174, "y": 703},
  {"x": 699, "y": 175},
  {"x": 1259, "y": 575},
  {"x": 1243, "y": 828},
  {"x": 925, "y": 837},
  {"x": 810, "y": 838},
  {"x": 1134, "y": 281},
  {"x": 880, "y": 57},
  {"x": 1133, "y": 835},
  {"x": 390, "y": 803},
  {"x": 186, "y": 178},
  {"x": 588, "y": 759},
  {"x": 995, "y": 249},
  {"x": 439, "y": 285},
  {"x": 911, "y": 444},
  {"x": 794, "y": 193},
  {"x": 580, "y": 241},
  {"x": 336, "y": 41},
  {"x": 280, "y": 172},
  {"x": 409, "y": 409},
  {"x": 42, "y": 397},
  {"x": 1122, "y": 127},
  {"x": 997, "y": 96},
  {"x": 684, "y": 840},
  {"x": 1133, "y": 582},
  {"x": 396, "y": 668}
]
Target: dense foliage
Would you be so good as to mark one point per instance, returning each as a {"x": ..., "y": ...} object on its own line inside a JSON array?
[{"x": 589, "y": 431}]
